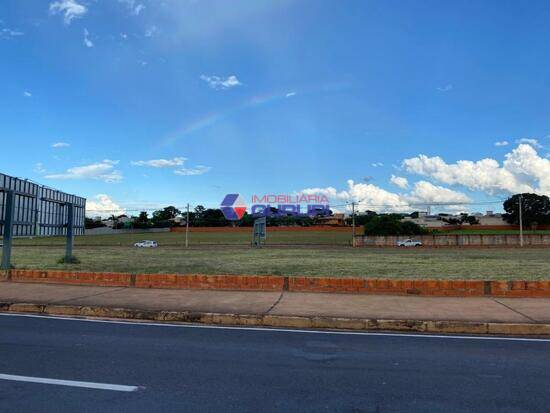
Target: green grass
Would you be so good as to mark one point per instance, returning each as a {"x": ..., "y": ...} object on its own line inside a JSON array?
[
  {"x": 200, "y": 238},
  {"x": 444, "y": 263}
]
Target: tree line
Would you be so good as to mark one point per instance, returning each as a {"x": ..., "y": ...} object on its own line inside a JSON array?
[
  {"x": 535, "y": 212},
  {"x": 198, "y": 217}
]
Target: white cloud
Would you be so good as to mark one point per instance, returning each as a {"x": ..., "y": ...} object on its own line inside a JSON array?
[
  {"x": 27, "y": 94},
  {"x": 103, "y": 171},
  {"x": 198, "y": 170},
  {"x": 134, "y": 7},
  {"x": 102, "y": 205},
  {"x": 399, "y": 181},
  {"x": 220, "y": 83},
  {"x": 446, "y": 88},
  {"x": 87, "y": 41},
  {"x": 533, "y": 142},
  {"x": 177, "y": 163},
  {"x": 7, "y": 34},
  {"x": 329, "y": 192},
  {"x": 151, "y": 31},
  {"x": 523, "y": 170},
  {"x": 427, "y": 193},
  {"x": 501, "y": 143},
  {"x": 39, "y": 168},
  {"x": 69, "y": 8},
  {"x": 161, "y": 163},
  {"x": 290, "y": 94},
  {"x": 377, "y": 164},
  {"x": 372, "y": 197},
  {"x": 60, "y": 145}
]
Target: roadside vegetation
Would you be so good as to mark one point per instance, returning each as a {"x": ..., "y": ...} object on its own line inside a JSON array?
[
  {"x": 337, "y": 238},
  {"x": 444, "y": 263}
]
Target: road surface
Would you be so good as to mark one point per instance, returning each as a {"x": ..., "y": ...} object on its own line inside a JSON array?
[{"x": 67, "y": 365}]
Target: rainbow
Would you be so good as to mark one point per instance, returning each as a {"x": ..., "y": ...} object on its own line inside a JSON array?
[{"x": 212, "y": 118}]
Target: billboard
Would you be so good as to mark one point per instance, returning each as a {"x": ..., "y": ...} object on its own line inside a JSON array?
[{"x": 39, "y": 210}]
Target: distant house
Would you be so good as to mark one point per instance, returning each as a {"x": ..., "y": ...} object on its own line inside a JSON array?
[
  {"x": 491, "y": 218},
  {"x": 426, "y": 221},
  {"x": 336, "y": 220},
  {"x": 121, "y": 219},
  {"x": 437, "y": 221}
]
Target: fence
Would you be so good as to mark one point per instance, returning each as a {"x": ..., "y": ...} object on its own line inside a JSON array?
[
  {"x": 30, "y": 209},
  {"x": 457, "y": 240}
]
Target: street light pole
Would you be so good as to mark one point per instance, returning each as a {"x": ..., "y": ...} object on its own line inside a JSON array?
[
  {"x": 353, "y": 223},
  {"x": 520, "y": 221},
  {"x": 187, "y": 228}
]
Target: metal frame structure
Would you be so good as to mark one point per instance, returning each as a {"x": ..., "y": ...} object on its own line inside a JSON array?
[
  {"x": 28, "y": 209},
  {"x": 259, "y": 232}
]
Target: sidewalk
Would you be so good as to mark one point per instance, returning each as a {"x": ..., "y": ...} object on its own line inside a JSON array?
[{"x": 284, "y": 309}]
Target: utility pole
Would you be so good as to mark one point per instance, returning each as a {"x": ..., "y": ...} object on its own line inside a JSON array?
[
  {"x": 187, "y": 228},
  {"x": 353, "y": 223},
  {"x": 520, "y": 221}
]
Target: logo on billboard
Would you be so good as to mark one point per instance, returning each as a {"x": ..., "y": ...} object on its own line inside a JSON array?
[
  {"x": 302, "y": 205},
  {"x": 233, "y": 207}
]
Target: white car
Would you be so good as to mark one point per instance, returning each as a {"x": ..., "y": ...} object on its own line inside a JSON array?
[
  {"x": 146, "y": 244},
  {"x": 409, "y": 243}
]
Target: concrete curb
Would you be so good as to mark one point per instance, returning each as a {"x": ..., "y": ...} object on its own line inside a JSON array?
[
  {"x": 281, "y": 321},
  {"x": 422, "y": 287}
]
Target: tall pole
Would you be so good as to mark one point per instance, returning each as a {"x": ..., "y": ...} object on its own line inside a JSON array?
[
  {"x": 520, "y": 221},
  {"x": 187, "y": 228},
  {"x": 8, "y": 230},
  {"x": 70, "y": 234},
  {"x": 353, "y": 223}
]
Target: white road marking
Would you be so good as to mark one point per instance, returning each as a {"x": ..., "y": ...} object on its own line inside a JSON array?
[
  {"x": 70, "y": 383},
  {"x": 283, "y": 330}
]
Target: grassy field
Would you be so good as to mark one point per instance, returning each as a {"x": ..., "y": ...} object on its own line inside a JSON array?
[
  {"x": 504, "y": 264},
  {"x": 201, "y": 238}
]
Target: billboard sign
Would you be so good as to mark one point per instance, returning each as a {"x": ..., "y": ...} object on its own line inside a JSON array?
[{"x": 39, "y": 210}]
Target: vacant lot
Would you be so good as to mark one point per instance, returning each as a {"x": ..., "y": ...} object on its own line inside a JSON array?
[
  {"x": 202, "y": 238},
  {"x": 529, "y": 263}
]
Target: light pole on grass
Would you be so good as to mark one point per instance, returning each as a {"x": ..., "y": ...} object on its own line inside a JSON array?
[
  {"x": 353, "y": 223},
  {"x": 520, "y": 220},
  {"x": 187, "y": 228}
]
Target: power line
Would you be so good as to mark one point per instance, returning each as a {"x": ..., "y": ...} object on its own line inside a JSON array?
[{"x": 358, "y": 203}]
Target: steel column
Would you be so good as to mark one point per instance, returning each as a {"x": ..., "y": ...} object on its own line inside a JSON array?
[
  {"x": 70, "y": 233},
  {"x": 8, "y": 230}
]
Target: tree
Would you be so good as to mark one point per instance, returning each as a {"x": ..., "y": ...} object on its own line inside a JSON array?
[
  {"x": 90, "y": 223},
  {"x": 535, "y": 209},
  {"x": 142, "y": 221},
  {"x": 164, "y": 217},
  {"x": 461, "y": 219},
  {"x": 199, "y": 210},
  {"x": 391, "y": 224},
  {"x": 470, "y": 219}
]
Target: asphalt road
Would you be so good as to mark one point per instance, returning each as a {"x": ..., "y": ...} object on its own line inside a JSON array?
[{"x": 188, "y": 369}]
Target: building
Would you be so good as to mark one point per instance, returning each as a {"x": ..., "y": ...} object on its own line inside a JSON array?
[
  {"x": 336, "y": 220},
  {"x": 437, "y": 221}
]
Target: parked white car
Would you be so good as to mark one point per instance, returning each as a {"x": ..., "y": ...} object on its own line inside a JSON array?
[
  {"x": 409, "y": 243},
  {"x": 146, "y": 244}
]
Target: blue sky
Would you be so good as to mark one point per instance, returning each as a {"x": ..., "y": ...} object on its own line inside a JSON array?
[{"x": 174, "y": 101}]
